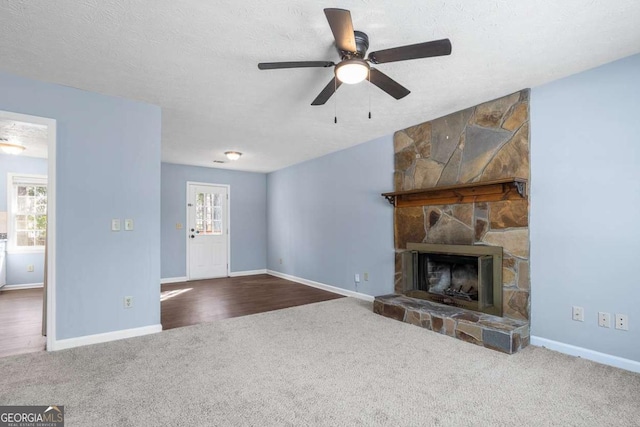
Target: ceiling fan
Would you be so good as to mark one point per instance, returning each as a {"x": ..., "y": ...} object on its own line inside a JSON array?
[{"x": 353, "y": 66}]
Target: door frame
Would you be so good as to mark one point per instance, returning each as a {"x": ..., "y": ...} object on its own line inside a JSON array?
[
  {"x": 186, "y": 228},
  {"x": 51, "y": 215}
]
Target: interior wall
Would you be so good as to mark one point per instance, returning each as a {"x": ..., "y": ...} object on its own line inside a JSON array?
[
  {"x": 327, "y": 220},
  {"x": 585, "y": 235},
  {"x": 248, "y": 193},
  {"x": 107, "y": 166},
  {"x": 17, "y": 273}
]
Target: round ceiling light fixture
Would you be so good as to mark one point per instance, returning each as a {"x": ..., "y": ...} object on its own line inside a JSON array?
[
  {"x": 352, "y": 71},
  {"x": 10, "y": 147},
  {"x": 233, "y": 155}
]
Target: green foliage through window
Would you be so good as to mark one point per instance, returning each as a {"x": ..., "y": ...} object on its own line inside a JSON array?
[{"x": 31, "y": 215}]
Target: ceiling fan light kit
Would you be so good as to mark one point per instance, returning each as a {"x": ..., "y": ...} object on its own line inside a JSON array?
[
  {"x": 354, "y": 67},
  {"x": 352, "y": 71}
]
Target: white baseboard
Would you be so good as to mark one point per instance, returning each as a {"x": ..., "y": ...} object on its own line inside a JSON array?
[
  {"x": 106, "y": 337},
  {"x": 319, "y": 285},
  {"x": 22, "y": 286},
  {"x": 247, "y": 273},
  {"x": 173, "y": 280},
  {"x": 585, "y": 353}
]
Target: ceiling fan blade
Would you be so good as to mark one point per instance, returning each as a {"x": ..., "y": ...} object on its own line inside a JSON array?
[
  {"x": 326, "y": 93},
  {"x": 413, "y": 51},
  {"x": 342, "y": 28},
  {"x": 298, "y": 64},
  {"x": 387, "y": 84}
]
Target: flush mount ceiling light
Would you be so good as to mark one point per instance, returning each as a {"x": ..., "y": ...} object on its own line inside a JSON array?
[
  {"x": 233, "y": 155},
  {"x": 352, "y": 71},
  {"x": 11, "y": 148}
]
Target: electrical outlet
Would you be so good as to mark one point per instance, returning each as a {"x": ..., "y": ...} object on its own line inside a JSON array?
[
  {"x": 366, "y": 276},
  {"x": 178, "y": 226},
  {"x": 128, "y": 302},
  {"x": 357, "y": 278},
  {"x": 115, "y": 225},
  {"x": 578, "y": 314},
  {"x": 604, "y": 319},
  {"x": 30, "y": 268},
  {"x": 622, "y": 322}
]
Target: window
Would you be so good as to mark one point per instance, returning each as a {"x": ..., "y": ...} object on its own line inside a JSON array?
[
  {"x": 209, "y": 213},
  {"x": 28, "y": 213}
]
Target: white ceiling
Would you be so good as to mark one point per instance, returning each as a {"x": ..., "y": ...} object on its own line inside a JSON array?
[
  {"x": 32, "y": 136},
  {"x": 198, "y": 61}
]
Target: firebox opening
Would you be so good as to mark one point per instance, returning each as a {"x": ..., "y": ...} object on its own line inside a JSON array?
[
  {"x": 455, "y": 276},
  {"x": 463, "y": 276}
]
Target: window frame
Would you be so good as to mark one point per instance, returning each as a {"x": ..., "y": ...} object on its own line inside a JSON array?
[{"x": 12, "y": 203}]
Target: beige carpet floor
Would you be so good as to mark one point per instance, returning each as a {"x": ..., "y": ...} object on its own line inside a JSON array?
[{"x": 333, "y": 363}]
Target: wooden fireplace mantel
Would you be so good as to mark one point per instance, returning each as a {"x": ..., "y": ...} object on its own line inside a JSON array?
[{"x": 486, "y": 191}]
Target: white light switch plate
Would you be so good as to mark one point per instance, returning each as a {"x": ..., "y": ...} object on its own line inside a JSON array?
[
  {"x": 128, "y": 224},
  {"x": 604, "y": 319},
  {"x": 578, "y": 314},
  {"x": 115, "y": 225}
]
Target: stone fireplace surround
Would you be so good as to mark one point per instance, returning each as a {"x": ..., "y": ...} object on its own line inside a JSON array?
[{"x": 483, "y": 143}]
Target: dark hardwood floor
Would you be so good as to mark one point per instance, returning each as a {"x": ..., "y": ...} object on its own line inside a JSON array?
[
  {"x": 190, "y": 303},
  {"x": 21, "y": 322},
  {"x": 183, "y": 304}
]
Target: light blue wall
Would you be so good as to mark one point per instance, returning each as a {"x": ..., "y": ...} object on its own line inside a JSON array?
[
  {"x": 248, "y": 192},
  {"x": 108, "y": 166},
  {"x": 17, "y": 273},
  {"x": 327, "y": 220},
  {"x": 585, "y": 207}
]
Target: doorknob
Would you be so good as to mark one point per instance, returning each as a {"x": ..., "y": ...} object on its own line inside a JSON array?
[
  {"x": 193, "y": 229},
  {"x": 192, "y": 236}
]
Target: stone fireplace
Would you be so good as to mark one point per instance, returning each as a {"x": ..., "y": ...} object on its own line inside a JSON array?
[{"x": 460, "y": 180}]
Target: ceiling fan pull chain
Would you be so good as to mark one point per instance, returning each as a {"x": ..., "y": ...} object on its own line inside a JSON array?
[
  {"x": 369, "y": 89},
  {"x": 335, "y": 101}
]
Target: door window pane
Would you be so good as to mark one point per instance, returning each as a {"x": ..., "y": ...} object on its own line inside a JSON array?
[{"x": 208, "y": 213}]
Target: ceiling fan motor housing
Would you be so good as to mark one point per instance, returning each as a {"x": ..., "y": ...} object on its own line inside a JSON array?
[{"x": 362, "y": 44}]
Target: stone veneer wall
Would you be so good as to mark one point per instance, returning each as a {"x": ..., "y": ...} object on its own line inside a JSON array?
[{"x": 482, "y": 143}]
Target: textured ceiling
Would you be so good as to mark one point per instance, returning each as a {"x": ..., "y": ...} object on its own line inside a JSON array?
[
  {"x": 32, "y": 136},
  {"x": 198, "y": 61}
]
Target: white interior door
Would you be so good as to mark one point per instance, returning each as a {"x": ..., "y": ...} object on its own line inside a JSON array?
[{"x": 208, "y": 231}]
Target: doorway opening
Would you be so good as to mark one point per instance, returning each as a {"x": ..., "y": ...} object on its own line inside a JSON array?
[{"x": 27, "y": 233}]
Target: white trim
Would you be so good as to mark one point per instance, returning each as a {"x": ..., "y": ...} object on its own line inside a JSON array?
[
  {"x": 52, "y": 134},
  {"x": 24, "y": 250},
  {"x": 247, "y": 273},
  {"x": 322, "y": 286},
  {"x": 228, "y": 187},
  {"x": 106, "y": 337},
  {"x": 22, "y": 286},
  {"x": 173, "y": 280},
  {"x": 585, "y": 353}
]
